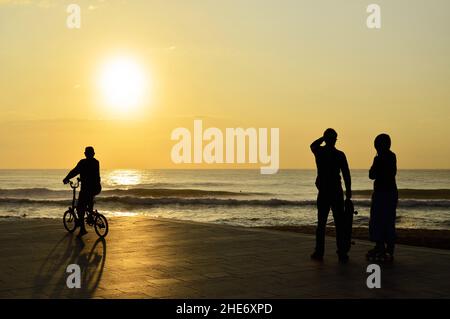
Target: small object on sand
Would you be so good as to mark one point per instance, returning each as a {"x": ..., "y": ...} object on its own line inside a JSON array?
[{"x": 24, "y": 215}]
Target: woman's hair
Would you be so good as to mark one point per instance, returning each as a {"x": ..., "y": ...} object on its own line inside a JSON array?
[{"x": 382, "y": 142}]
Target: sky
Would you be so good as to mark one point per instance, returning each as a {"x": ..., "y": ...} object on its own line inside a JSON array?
[{"x": 300, "y": 66}]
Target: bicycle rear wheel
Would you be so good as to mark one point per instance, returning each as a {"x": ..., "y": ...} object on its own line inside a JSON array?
[
  {"x": 70, "y": 221},
  {"x": 101, "y": 225}
]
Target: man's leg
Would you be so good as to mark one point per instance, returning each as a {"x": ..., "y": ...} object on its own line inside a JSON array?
[
  {"x": 342, "y": 240},
  {"x": 323, "y": 209}
]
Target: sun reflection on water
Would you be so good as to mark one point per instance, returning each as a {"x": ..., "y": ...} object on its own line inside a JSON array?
[{"x": 124, "y": 177}]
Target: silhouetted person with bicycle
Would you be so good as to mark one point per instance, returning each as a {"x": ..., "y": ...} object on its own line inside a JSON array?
[
  {"x": 89, "y": 171},
  {"x": 330, "y": 163}
]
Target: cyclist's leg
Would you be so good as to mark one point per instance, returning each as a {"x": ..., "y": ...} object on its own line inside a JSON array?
[
  {"x": 81, "y": 208},
  {"x": 90, "y": 203},
  {"x": 90, "y": 206}
]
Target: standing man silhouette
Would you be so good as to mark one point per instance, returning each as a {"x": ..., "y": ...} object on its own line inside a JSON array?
[
  {"x": 89, "y": 171},
  {"x": 330, "y": 163}
]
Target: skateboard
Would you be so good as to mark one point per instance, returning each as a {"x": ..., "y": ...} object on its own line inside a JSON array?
[{"x": 349, "y": 212}]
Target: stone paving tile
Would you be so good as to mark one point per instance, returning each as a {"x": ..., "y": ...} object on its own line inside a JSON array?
[{"x": 158, "y": 258}]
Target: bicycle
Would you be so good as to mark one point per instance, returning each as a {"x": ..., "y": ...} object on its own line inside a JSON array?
[{"x": 92, "y": 218}]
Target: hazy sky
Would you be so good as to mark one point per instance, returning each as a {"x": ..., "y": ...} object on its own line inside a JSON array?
[{"x": 301, "y": 66}]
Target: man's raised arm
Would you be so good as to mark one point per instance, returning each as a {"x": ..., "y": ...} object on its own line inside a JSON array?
[{"x": 316, "y": 144}]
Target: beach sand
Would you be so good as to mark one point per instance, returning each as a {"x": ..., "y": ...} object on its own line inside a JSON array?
[
  {"x": 160, "y": 258},
  {"x": 414, "y": 237}
]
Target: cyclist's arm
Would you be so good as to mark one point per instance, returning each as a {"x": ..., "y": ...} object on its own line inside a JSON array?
[{"x": 74, "y": 172}]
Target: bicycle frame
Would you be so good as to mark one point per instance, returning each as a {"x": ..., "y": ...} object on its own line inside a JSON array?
[
  {"x": 74, "y": 187},
  {"x": 89, "y": 209}
]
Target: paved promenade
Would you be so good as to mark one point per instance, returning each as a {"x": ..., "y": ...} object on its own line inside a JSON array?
[{"x": 158, "y": 258}]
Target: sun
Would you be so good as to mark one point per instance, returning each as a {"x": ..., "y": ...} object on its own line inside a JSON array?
[{"x": 123, "y": 84}]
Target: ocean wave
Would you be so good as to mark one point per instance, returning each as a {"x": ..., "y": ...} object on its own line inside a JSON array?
[
  {"x": 46, "y": 193},
  {"x": 142, "y": 202},
  {"x": 139, "y": 192},
  {"x": 163, "y": 201},
  {"x": 186, "y": 184},
  {"x": 411, "y": 193}
]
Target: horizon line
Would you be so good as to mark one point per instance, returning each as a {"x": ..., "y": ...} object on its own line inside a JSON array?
[{"x": 212, "y": 169}]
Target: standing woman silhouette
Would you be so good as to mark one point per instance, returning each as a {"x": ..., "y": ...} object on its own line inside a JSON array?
[{"x": 384, "y": 200}]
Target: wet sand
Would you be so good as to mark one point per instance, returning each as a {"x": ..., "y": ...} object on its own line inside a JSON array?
[{"x": 439, "y": 239}]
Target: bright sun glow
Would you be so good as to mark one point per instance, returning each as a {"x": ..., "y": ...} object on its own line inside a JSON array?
[
  {"x": 123, "y": 84},
  {"x": 124, "y": 177}
]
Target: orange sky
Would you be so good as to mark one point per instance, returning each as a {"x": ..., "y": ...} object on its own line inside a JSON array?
[{"x": 301, "y": 66}]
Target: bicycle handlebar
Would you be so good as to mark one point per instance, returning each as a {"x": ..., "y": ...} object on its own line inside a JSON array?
[{"x": 75, "y": 185}]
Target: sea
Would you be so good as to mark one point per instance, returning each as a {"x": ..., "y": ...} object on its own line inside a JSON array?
[{"x": 234, "y": 197}]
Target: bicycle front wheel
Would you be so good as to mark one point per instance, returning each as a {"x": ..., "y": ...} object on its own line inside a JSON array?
[
  {"x": 101, "y": 225},
  {"x": 70, "y": 221}
]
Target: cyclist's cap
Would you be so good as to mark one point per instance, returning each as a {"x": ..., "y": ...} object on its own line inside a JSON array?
[{"x": 89, "y": 151}]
